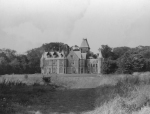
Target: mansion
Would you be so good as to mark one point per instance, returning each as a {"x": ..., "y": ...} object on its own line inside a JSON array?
[{"x": 74, "y": 62}]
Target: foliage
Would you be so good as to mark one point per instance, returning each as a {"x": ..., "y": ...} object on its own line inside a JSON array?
[
  {"x": 128, "y": 60},
  {"x": 109, "y": 66},
  {"x": 90, "y": 54},
  {"x": 106, "y": 51},
  {"x": 124, "y": 64},
  {"x": 119, "y": 51}
]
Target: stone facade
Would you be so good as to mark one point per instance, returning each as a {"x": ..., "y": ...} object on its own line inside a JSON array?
[{"x": 75, "y": 62}]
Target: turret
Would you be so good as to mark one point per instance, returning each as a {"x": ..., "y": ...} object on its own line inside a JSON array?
[
  {"x": 84, "y": 46},
  {"x": 42, "y": 60},
  {"x": 100, "y": 58}
]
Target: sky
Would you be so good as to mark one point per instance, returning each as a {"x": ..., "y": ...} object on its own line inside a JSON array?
[{"x": 27, "y": 24}]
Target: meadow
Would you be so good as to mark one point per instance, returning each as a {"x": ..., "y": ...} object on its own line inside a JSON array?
[{"x": 85, "y": 94}]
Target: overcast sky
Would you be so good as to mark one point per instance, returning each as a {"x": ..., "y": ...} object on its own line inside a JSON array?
[{"x": 26, "y": 24}]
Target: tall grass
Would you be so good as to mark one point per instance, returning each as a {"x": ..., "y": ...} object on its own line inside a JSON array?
[
  {"x": 116, "y": 94},
  {"x": 132, "y": 96}
]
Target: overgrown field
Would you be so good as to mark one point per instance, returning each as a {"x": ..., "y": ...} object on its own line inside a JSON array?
[
  {"x": 131, "y": 96},
  {"x": 107, "y": 94}
]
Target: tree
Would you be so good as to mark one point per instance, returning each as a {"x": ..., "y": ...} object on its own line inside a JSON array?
[
  {"x": 106, "y": 51},
  {"x": 23, "y": 63},
  {"x": 91, "y": 54},
  {"x": 109, "y": 66},
  {"x": 33, "y": 57},
  {"x": 119, "y": 51},
  {"x": 3, "y": 65},
  {"x": 138, "y": 63},
  {"x": 125, "y": 64},
  {"x": 15, "y": 65}
]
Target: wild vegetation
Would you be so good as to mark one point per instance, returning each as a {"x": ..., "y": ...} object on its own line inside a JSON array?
[
  {"x": 117, "y": 94},
  {"x": 131, "y": 96}
]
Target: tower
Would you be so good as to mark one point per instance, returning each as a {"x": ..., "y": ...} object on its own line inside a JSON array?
[
  {"x": 84, "y": 46},
  {"x": 100, "y": 58}
]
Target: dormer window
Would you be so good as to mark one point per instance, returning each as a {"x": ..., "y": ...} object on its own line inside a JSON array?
[
  {"x": 55, "y": 54},
  {"x": 49, "y": 55},
  {"x": 71, "y": 56},
  {"x": 62, "y": 55}
]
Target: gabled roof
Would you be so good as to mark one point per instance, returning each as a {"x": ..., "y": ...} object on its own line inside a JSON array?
[
  {"x": 78, "y": 53},
  {"x": 85, "y": 43}
]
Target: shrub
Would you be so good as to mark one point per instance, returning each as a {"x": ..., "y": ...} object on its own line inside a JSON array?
[{"x": 47, "y": 79}]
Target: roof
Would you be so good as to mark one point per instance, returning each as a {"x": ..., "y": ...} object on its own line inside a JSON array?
[
  {"x": 78, "y": 53},
  {"x": 85, "y": 43},
  {"x": 75, "y": 47},
  {"x": 60, "y": 55}
]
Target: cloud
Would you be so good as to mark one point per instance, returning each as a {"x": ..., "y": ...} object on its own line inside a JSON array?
[{"x": 38, "y": 21}]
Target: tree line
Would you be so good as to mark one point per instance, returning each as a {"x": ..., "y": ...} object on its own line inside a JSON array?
[
  {"x": 125, "y": 60},
  {"x": 115, "y": 60}
]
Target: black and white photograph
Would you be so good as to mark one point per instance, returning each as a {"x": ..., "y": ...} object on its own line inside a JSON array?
[{"x": 74, "y": 56}]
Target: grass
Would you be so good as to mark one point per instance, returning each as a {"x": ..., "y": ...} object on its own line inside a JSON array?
[
  {"x": 109, "y": 94},
  {"x": 132, "y": 96},
  {"x": 14, "y": 94}
]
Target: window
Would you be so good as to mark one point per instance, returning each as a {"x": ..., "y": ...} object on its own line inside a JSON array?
[
  {"x": 61, "y": 62},
  {"x": 49, "y": 70},
  {"x": 54, "y": 70},
  {"x": 44, "y": 70},
  {"x": 71, "y": 56},
  {"x": 49, "y": 55},
  {"x": 50, "y": 62},
  {"x": 73, "y": 62},
  {"x": 54, "y": 62}
]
